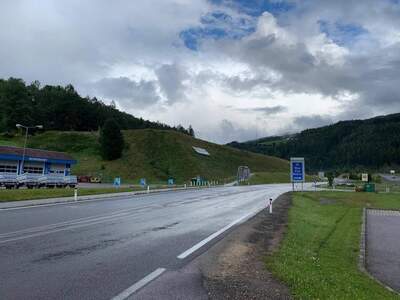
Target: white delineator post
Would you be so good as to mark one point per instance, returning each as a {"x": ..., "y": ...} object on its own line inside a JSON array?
[
  {"x": 270, "y": 205},
  {"x": 76, "y": 194},
  {"x": 148, "y": 189}
]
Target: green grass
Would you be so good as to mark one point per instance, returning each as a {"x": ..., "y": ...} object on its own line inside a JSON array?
[
  {"x": 152, "y": 154},
  {"x": 319, "y": 255},
  {"x": 34, "y": 194},
  {"x": 269, "y": 177},
  {"x": 273, "y": 177}
]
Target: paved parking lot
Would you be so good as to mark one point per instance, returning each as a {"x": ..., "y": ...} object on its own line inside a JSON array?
[{"x": 383, "y": 246}]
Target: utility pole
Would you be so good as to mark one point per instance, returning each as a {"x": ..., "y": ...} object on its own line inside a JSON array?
[{"x": 26, "y": 139}]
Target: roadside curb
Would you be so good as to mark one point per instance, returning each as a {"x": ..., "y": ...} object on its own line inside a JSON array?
[
  {"x": 362, "y": 262},
  {"x": 90, "y": 198}
]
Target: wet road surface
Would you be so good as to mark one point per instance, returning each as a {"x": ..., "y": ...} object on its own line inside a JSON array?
[{"x": 97, "y": 250}]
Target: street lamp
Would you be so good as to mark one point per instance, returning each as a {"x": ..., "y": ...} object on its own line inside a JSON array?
[{"x": 26, "y": 138}]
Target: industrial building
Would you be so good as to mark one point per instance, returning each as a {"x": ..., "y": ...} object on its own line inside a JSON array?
[{"x": 35, "y": 168}]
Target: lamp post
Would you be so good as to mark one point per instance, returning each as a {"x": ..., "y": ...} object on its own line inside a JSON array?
[{"x": 26, "y": 138}]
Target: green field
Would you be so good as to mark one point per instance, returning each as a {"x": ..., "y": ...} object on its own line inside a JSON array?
[
  {"x": 273, "y": 177},
  {"x": 152, "y": 154},
  {"x": 319, "y": 254}
]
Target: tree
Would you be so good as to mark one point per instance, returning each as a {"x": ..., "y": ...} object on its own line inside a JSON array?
[
  {"x": 191, "y": 131},
  {"x": 111, "y": 140},
  {"x": 330, "y": 178}
]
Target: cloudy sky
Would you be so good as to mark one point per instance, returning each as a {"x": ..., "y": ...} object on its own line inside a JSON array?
[{"x": 233, "y": 69}]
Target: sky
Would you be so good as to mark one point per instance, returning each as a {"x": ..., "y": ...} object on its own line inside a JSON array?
[{"x": 233, "y": 69}]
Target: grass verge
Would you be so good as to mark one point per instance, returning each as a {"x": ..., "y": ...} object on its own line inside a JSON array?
[
  {"x": 319, "y": 255},
  {"x": 273, "y": 177},
  {"x": 19, "y": 195}
]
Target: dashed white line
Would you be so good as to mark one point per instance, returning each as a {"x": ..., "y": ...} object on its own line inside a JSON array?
[
  {"x": 214, "y": 235},
  {"x": 138, "y": 285}
]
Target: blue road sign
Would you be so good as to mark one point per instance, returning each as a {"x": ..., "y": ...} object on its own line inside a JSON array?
[
  {"x": 297, "y": 169},
  {"x": 117, "y": 181},
  {"x": 142, "y": 181}
]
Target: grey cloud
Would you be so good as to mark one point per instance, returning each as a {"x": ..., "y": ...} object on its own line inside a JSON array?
[
  {"x": 170, "y": 78},
  {"x": 228, "y": 131},
  {"x": 271, "y": 110},
  {"x": 306, "y": 122},
  {"x": 373, "y": 74},
  {"x": 266, "y": 110},
  {"x": 128, "y": 92},
  {"x": 61, "y": 42}
]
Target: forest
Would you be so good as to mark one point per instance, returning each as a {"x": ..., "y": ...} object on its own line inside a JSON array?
[
  {"x": 372, "y": 143},
  {"x": 62, "y": 108}
]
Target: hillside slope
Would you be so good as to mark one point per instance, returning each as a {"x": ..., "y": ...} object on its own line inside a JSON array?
[
  {"x": 153, "y": 154},
  {"x": 372, "y": 143},
  {"x": 62, "y": 108}
]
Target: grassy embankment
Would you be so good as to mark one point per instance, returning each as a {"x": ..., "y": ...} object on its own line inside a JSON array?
[
  {"x": 319, "y": 255},
  {"x": 25, "y": 194},
  {"x": 152, "y": 154}
]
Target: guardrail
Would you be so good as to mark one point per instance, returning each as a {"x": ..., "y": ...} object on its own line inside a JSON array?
[{"x": 37, "y": 181}]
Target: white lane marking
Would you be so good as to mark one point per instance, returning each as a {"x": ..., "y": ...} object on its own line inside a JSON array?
[
  {"x": 111, "y": 215},
  {"x": 138, "y": 285},
  {"x": 214, "y": 235}
]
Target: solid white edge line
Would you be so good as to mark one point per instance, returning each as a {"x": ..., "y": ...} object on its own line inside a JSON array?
[
  {"x": 138, "y": 285},
  {"x": 214, "y": 235}
]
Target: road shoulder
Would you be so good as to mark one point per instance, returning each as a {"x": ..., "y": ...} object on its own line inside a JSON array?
[{"x": 234, "y": 268}]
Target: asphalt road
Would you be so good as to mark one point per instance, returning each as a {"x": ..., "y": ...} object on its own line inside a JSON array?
[
  {"x": 391, "y": 178},
  {"x": 383, "y": 244},
  {"x": 99, "y": 249}
]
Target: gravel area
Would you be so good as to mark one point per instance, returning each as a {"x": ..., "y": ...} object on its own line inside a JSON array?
[{"x": 234, "y": 268}]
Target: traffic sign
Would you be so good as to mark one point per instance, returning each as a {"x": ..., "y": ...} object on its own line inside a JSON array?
[
  {"x": 117, "y": 181},
  {"x": 364, "y": 177},
  {"x": 297, "y": 169}
]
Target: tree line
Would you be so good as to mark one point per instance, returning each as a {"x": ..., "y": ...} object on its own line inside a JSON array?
[
  {"x": 347, "y": 145},
  {"x": 62, "y": 108}
]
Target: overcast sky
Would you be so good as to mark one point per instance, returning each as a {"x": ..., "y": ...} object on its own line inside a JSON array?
[{"x": 234, "y": 70}]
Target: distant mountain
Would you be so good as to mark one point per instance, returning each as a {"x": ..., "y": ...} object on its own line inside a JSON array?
[{"x": 372, "y": 143}]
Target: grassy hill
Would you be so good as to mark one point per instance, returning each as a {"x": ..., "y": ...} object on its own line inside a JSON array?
[{"x": 152, "y": 154}]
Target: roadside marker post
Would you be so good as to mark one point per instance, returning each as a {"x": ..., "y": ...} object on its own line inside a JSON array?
[
  {"x": 270, "y": 205},
  {"x": 148, "y": 189},
  {"x": 76, "y": 194}
]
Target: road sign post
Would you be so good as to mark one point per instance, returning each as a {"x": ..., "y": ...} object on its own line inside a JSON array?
[{"x": 297, "y": 171}]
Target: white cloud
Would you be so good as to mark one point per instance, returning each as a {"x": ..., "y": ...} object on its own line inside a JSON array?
[{"x": 284, "y": 76}]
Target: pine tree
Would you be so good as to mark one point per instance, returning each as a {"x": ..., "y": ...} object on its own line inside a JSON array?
[
  {"x": 191, "y": 131},
  {"x": 111, "y": 140}
]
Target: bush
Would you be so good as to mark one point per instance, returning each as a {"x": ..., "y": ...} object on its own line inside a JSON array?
[
  {"x": 111, "y": 140},
  {"x": 330, "y": 176}
]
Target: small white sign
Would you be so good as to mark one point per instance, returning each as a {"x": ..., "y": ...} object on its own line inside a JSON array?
[
  {"x": 364, "y": 177},
  {"x": 201, "y": 151}
]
